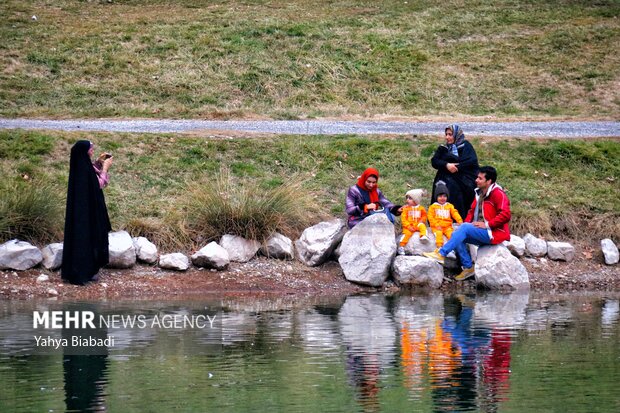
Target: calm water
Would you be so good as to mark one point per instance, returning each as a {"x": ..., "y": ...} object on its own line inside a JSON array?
[{"x": 360, "y": 353}]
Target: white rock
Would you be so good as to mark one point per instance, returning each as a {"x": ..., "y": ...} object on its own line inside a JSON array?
[
  {"x": 52, "y": 292},
  {"x": 317, "y": 242},
  {"x": 122, "y": 251},
  {"x": 416, "y": 247},
  {"x": 496, "y": 268},
  {"x": 535, "y": 247},
  {"x": 560, "y": 251},
  {"x": 367, "y": 251},
  {"x": 211, "y": 255},
  {"x": 146, "y": 251},
  {"x": 610, "y": 251},
  {"x": 19, "y": 255},
  {"x": 175, "y": 261},
  {"x": 43, "y": 278},
  {"x": 239, "y": 249},
  {"x": 417, "y": 271},
  {"x": 278, "y": 246},
  {"x": 516, "y": 246},
  {"x": 52, "y": 256}
]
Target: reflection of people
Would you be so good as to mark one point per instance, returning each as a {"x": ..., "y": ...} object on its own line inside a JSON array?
[
  {"x": 441, "y": 214},
  {"x": 365, "y": 198},
  {"x": 85, "y": 367},
  {"x": 457, "y": 164},
  {"x": 412, "y": 219},
  {"x": 486, "y": 222},
  {"x": 364, "y": 370},
  {"x": 87, "y": 224}
]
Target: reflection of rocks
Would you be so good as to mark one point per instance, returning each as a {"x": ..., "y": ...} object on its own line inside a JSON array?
[
  {"x": 541, "y": 319},
  {"x": 610, "y": 313},
  {"x": 419, "y": 312},
  {"x": 319, "y": 333},
  {"x": 366, "y": 327},
  {"x": 495, "y": 309},
  {"x": 367, "y": 251}
]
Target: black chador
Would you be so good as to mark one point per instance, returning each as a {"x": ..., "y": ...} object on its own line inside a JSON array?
[{"x": 87, "y": 224}]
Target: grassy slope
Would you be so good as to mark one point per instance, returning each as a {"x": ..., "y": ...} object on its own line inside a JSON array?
[
  {"x": 191, "y": 58},
  {"x": 554, "y": 185}
]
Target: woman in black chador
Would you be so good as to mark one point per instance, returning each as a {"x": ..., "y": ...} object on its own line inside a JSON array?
[
  {"x": 457, "y": 165},
  {"x": 87, "y": 224}
]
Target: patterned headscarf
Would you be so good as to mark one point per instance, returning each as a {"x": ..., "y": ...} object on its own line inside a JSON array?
[{"x": 459, "y": 138}]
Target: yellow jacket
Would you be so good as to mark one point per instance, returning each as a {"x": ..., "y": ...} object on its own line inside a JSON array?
[
  {"x": 441, "y": 216},
  {"x": 412, "y": 216}
]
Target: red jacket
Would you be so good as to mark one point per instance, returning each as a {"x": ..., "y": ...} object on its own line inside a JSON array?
[{"x": 496, "y": 213}]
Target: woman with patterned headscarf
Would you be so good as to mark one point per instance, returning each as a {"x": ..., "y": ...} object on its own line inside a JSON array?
[{"x": 457, "y": 165}]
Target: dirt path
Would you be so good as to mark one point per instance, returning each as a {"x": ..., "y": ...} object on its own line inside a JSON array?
[{"x": 527, "y": 129}]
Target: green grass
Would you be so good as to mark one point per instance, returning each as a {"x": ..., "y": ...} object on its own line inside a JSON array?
[
  {"x": 299, "y": 59},
  {"x": 162, "y": 183}
]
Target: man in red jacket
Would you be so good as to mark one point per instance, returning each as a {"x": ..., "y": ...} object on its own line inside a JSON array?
[{"x": 486, "y": 222}]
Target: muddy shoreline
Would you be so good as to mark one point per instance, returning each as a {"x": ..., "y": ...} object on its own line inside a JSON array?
[{"x": 268, "y": 277}]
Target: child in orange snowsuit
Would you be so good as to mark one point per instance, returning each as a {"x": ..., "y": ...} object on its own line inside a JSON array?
[
  {"x": 412, "y": 219},
  {"x": 441, "y": 214}
]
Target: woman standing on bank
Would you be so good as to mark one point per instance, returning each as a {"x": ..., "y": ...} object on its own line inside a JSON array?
[
  {"x": 85, "y": 247},
  {"x": 457, "y": 165}
]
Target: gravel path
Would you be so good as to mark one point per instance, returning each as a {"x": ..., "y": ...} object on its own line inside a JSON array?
[{"x": 554, "y": 129}]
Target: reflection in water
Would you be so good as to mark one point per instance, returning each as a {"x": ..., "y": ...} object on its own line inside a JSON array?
[
  {"x": 85, "y": 370},
  {"x": 368, "y": 334},
  {"x": 485, "y": 352}
]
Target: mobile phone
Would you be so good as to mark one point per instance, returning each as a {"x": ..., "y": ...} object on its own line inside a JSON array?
[{"x": 107, "y": 155}]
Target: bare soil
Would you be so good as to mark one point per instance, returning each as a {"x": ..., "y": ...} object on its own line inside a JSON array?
[{"x": 268, "y": 277}]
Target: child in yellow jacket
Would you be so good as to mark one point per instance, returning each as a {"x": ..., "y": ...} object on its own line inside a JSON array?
[
  {"x": 441, "y": 214},
  {"x": 412, "y": 219}
]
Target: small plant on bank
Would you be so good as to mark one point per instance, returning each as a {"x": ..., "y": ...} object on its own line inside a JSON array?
[
  {"x": 221, "y": 206},
  {"x": 31, "y": 212}
]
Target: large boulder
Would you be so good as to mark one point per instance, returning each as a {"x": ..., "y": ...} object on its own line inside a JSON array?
[
  {"x": 417, "y": 271},
  {"x": 175, "y": 261},
  {"x": 19, "y": 255},
  {"x": 367, "y": 251},
  {"x": 278, "y": 246},
  {"x": 146, "y": 251},
  {"x": 497, "y": 268},
  {"x": 239, "y": 249},
  {"x": 516, "y": 246},
  {"x": 317, "y": 242},
  {"x": 610, "y": 251},
  {"x": 211, "y": 255},
  {"x": 122, "y": 251},
  {"x": 560, "y": 251},
  {"x": 52, "y": 256},
  {"x": 535, "y": 247}
]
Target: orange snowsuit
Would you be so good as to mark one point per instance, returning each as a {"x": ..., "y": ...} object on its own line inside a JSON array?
[
  {"x": 440, "y": 217},
  {"x": 412, "y": 219}
]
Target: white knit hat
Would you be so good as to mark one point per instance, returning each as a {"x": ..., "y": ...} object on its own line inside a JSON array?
[{"x": 416, "y": 195}]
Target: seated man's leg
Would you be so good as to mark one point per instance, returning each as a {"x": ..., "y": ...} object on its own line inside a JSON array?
[{"x": 465, "y": 234}]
